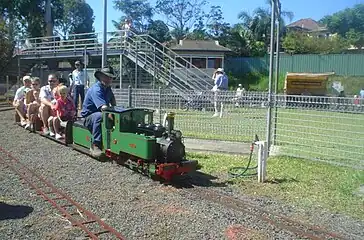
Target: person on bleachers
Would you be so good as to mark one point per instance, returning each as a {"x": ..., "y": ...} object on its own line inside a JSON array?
[
  {"x": 65, "y": 110},
  {"x": 47, "y": 101},
  {"x": 32, "y": 102},
  {"x": 19, "y": 98}
]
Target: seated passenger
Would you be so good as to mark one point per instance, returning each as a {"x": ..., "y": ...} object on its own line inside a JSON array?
[
  {"x": 19, "y": 98},
  {"x": 32, "y": 102},
  {"x": 47, "y": 101},
  {"x": 98, "y": 98},
  {"x": 65, "y": 111}
]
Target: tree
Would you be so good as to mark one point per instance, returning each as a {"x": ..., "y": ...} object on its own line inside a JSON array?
[
  {"x": 6, "y": 46},
  {"x": 180, "y": 14},
  {"x": 216, "y": 27},
  {"x": 139, "y": 11},
  {"x": 347, "y": 23},
  {"x": 299, "y": 43},
  {"x": 159, "y": 30},
  {"x": 355, "y": 38},
  {"x": 241, "y": 41},
  {"x": 342, "y": 21},
  {"x": 210, "y": 25},
  {"x": 76, "y": 17},
  {"x": 259, "y": 22}
]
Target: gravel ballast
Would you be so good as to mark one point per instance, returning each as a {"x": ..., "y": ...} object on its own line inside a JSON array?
[{"x": 134, "y": 205}]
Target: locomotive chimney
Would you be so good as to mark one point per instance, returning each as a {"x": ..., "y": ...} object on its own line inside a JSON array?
[{"x": 170, "y": 121}]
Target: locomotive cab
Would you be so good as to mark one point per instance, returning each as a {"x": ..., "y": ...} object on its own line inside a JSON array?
[{"x": 132, "y": 131}]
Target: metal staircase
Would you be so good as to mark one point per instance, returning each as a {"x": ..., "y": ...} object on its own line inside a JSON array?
[
  {"x": 160, "y": 61},
  {"x": 145, "y": 51}
]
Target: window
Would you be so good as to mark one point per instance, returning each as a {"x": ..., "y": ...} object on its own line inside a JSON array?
[
  {"x": 214, "y": 63},
  {"x": 199, "y": 62},
  {"x": 110, "y": 121},
  {"x": 181, "y": 61}
]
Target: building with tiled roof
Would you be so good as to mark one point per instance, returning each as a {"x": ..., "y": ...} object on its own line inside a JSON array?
[
  {"x": 310, "y": 26},
  {"x": 207, "y": 55}
]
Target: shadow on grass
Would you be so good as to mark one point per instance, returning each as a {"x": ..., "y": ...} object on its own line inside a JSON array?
[
  {"x": 8, "y": 211},
  {"x": 281, "y": 180}
]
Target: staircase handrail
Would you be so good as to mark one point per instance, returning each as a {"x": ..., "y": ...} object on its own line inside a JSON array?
[
  {"x": 192, "y": 84},
  {"x": 165, "y": 76},
  {"x": 175, "y": 54},
  {"x": 207, "y": 84}
]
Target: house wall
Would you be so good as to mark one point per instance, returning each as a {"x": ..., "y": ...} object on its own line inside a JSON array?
[{"x": 210, "y": 65}]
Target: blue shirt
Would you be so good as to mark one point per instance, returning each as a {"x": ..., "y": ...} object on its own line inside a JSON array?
[
  {"x": 222, "y": 82},
  {"x": 361, "y": 93},
  {"x": 96, "y": 96}
]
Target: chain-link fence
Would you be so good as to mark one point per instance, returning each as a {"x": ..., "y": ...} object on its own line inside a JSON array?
[{"x": 321, "y": 128}]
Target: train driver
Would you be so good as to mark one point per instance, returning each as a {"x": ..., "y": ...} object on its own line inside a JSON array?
[{"x": 98, "y": 98}]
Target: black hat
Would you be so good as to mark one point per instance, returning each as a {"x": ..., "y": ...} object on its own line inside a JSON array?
[{"x": 107, "y": 71}]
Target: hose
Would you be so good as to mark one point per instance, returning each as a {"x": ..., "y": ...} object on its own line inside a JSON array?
[{"x": 237, "y": 172}]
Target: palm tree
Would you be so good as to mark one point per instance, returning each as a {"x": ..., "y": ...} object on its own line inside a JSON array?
[{"x": 259, "y": 22}]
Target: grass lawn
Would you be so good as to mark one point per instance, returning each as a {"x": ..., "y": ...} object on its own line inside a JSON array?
[
  {"x": 305, "y": 183},
  {"x": 321, "y": 135}
]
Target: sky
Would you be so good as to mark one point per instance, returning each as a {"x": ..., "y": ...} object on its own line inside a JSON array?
[{"x": 314, "y": 9}]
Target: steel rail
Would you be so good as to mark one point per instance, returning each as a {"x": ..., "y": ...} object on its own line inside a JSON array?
[{"x": 91, "y": 217}]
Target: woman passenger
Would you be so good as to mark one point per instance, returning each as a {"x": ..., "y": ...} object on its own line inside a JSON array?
[{"x": 32, "y": 102}]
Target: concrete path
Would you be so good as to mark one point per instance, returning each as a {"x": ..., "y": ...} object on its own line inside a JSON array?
[{"x": 203, "y": 145}]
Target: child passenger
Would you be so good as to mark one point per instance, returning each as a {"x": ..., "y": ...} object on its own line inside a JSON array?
[{"x": 64, "y": 110}]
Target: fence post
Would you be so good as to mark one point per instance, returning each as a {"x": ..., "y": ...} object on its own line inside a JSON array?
[
  {"x": 271, "y": 59},
  {"x": 7, "y": 88},
  {"x": 262, "y": 160},
  {"x": 160, "y": 102},
  {"x": 129, "y": 96}
]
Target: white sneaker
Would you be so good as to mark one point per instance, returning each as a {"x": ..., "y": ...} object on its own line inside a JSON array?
[
  {"x": 27, "y": 127},
  {"x": 51, "y": 134},
  {"x": 23, "y": 123},
  {"x": 215, "y": 115},
  {"x": 59, "y": 136}
]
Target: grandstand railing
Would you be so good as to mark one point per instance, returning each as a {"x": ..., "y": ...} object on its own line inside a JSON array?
[{"x": 144, "y": 50}]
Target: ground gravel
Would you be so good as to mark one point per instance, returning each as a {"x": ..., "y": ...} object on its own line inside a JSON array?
[{"x": 134, "y": 205}]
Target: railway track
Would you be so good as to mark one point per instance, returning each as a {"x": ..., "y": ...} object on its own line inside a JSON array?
[
  {"x": 5, "y": 106},
  {"x": 299, "y": 229},
  {"x": 77, "y": 215}
]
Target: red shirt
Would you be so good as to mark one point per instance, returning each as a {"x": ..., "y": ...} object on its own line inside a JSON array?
[{"x": 65, "y": 108}]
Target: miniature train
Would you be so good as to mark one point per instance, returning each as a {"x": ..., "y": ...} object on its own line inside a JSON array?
[{"x": 131, "y": 138}]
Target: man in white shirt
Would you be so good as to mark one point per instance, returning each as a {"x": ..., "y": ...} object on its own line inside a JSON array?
[
  {"x": 78, "y": 81},
  {"x": 221, "y": 84},
  {"x": 127, "y": 31},
  {"x": 47, "y": 100},
  {"x": 239, "y": 94},
  {"x": 18, "y": 102}
]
